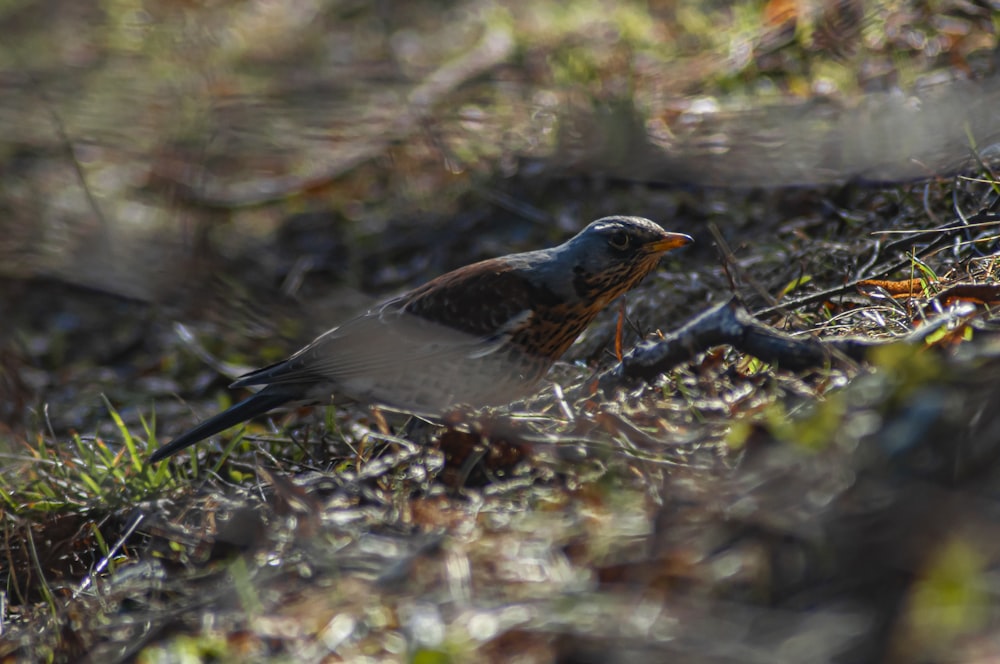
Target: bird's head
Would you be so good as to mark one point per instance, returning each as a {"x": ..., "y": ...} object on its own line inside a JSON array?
[{"x": 612, "y": 255}]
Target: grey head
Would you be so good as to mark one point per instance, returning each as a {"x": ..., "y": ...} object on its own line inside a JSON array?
[{"x": 607, "y": 258}]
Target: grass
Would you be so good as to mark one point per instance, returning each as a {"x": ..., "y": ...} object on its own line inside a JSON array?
[
  {"x": 50, "y": 478},
  {"x": 340, "y": 534}
]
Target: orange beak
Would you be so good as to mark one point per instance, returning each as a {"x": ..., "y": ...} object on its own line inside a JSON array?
[{"x": 670, "y": 241}]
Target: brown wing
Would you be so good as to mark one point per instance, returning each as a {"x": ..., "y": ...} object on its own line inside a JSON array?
[
  {"x": 428, "y": 349},
  {"x": 482, "y": 300}
]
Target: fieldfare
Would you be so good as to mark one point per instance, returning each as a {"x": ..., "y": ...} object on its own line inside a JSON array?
[{"x": 480, "y": 335}]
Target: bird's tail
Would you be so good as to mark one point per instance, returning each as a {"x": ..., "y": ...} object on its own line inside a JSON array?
[{"x": 261, "y": 402}]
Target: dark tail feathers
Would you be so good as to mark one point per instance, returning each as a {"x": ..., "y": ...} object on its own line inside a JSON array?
[{"x": 261, "y": 402}]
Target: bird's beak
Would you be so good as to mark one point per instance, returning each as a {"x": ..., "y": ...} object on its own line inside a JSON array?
[{"x": 670, "y": 241}]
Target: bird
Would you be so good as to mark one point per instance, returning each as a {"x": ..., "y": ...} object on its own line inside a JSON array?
[{"x": 480, "y": 335}]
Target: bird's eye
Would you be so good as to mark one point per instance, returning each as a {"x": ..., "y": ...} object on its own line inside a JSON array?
[{"x": 619, "y": 240}]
